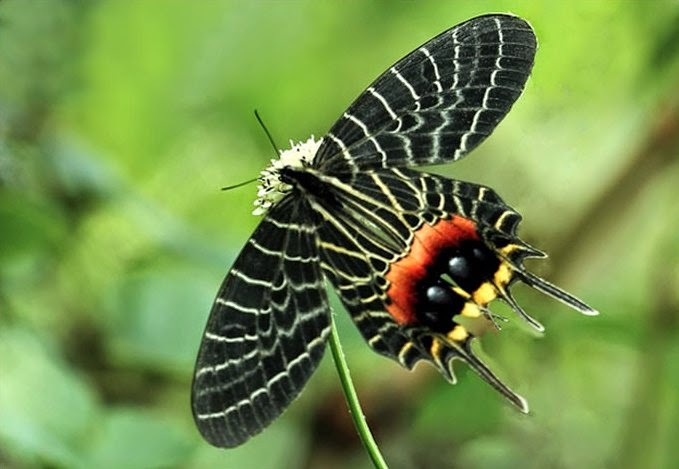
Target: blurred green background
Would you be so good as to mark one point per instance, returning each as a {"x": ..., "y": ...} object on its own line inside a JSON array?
[{"x": 120, "y": 121}]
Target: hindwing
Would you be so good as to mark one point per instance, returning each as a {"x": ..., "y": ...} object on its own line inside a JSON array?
[{"x": 384, "y": 248}]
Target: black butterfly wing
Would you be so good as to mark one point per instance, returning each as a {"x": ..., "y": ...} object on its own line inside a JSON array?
[
  {"x": 393, "y": 239},
  {"x": 383, "y": 215},
  {"x": 266, "y": 332},
  {"x": 438, "y": 102}
]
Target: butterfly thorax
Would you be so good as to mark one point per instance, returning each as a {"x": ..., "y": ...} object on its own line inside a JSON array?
[{"x": 272, "y": 185}]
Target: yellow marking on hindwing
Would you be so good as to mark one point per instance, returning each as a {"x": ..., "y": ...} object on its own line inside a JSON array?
[
  {"x": 471, "y": 310},
  {"x": 458, "y": 334},
  {"x": 404, "y": 350},
  {"x": 435, "y": 349},
  {"x": 488, "y": 291},
  {"x": 503, "y": 275},
  {"x": 485, "y": 293},
  {"x": 461, "y": 292}
]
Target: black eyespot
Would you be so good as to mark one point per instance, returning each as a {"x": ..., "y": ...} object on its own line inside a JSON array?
[
  {"x": 482, "y": 255},
  {"x": 438, "y": 306},
  {"x": 472, "y": 264},
  {"x": 459, "y": 268},
  {"x": 439, "y": 295}
]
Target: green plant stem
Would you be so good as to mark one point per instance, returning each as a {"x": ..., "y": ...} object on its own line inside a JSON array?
[{"x": 352, "y": 399}]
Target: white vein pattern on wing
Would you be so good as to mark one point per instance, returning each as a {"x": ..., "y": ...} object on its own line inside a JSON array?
[
  {"x": 384, "y": 188},
  {"x": 456, "y": 58},
  {"x": 228, "y": 362},
  {"x": 282, "y": 374},
  {"x": 220, "y": 338},
  {"x": 486, "y": 94},
  {"x": 318, "y": 340},
  {"x": 278, "y": 253},
  {"x": 367, "y": 134},
  {"x": 501, "y": 219},
  {"x": 231, "y": 304},
  {"x": 382, "y": 100},
  {"x": 405, "y": 82},
  {"x": 436, "y": 141},
  {"x": 425, "y": 51},
  {"x": 251, "y": 280},
  {"x": 365, "y": 215},
  {"x": 372, "y": 315},
  {"x": 408, "y": 147},
  {"x": 302, "y": 228},
  {"x": 343, "y": 148}
]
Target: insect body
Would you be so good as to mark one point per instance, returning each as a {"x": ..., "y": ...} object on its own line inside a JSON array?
[{"x": 410, "y": 254}]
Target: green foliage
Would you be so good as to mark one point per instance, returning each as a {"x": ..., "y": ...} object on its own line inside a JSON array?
[{"x": 120, "y": 121}]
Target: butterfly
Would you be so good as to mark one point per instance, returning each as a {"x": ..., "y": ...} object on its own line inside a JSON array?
[{"x": 413, "y": 257}]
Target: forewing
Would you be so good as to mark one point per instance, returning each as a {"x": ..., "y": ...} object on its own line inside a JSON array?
[
  {"x": 438, "y": 102},
  {"x": 266, "y": 332}
]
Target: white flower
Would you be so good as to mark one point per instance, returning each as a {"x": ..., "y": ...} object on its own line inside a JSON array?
[{"x": 271, "y": 188}]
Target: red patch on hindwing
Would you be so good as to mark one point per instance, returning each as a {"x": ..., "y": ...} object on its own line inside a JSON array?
[{"x": 406, "y": 274}]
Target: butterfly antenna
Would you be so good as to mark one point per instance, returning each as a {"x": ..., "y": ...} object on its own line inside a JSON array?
[
  {"x": 268, "y": 134},
  {"x": 228, "y": 188},
  {"x": 273, "y": 144}
]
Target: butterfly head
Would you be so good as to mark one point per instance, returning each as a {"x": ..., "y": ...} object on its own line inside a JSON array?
[{"x": 272, "y": 187}]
